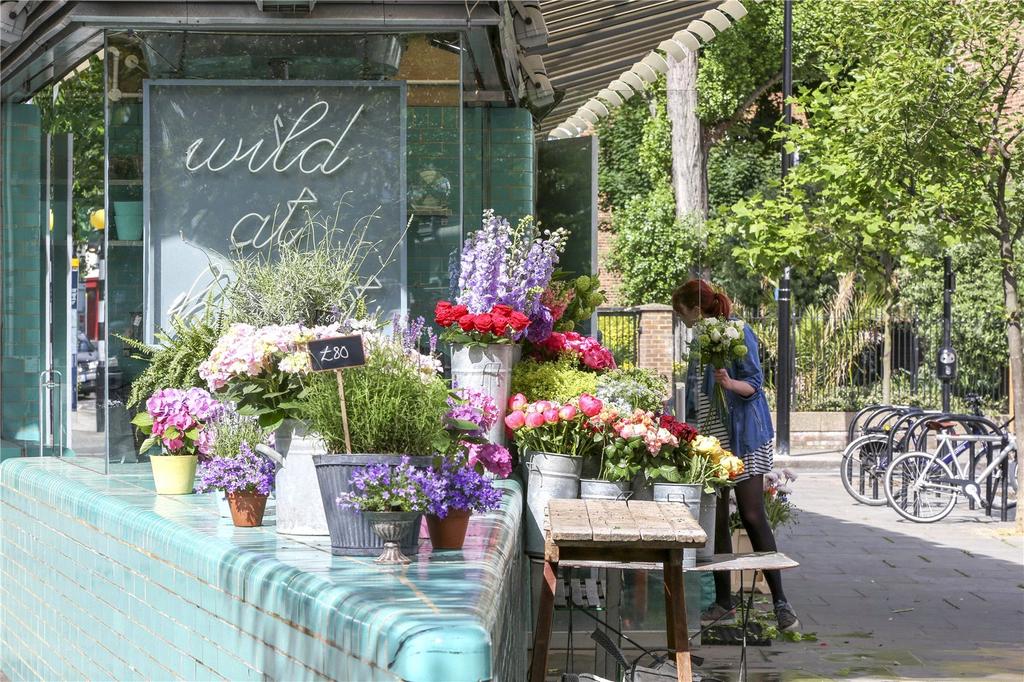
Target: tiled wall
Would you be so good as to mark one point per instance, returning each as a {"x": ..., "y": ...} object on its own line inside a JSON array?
[
  {"x": 102, "y": 579},
  {"x": 498, "y": 157},
  {"x": 22, "y": 254}
]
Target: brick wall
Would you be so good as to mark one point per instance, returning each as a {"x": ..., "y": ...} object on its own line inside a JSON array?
[
  {"x": 656, "y": 350},
  {"x": 21, "y": 309},
  {"x": 610, "y": 281}
]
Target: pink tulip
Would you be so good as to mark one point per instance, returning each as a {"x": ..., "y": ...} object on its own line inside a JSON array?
[
  {"x": 534, "y": 419},
  {"x": 551, "y": 416},
  {"x": 515, "y": 420},
  {"x": 518, "y": 402},
  {"x": 590, "y": 405},
  {"x": 568, "y": 412}
]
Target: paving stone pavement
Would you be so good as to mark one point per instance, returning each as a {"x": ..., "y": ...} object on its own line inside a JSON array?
[{"x": 891, "y": 599}]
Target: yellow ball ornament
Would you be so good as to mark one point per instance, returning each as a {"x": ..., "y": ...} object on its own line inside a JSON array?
[{"x": 98, "y": 219}]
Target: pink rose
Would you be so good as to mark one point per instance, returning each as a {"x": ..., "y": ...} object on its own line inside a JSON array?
[
  {"x": 515, "y": 420},
  {"x": 534, "y": 419},
  {"x": 551, "y": 416},
  {"x": 568, "y": 412},
  {"x": 590, "y": 405}
]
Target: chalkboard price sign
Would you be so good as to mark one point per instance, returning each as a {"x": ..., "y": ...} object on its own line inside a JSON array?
[{"x": 338, "y": 353}]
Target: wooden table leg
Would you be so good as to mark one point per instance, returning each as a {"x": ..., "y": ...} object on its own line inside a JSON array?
[
  {"x": 675, "y": 613},
  {"x": 542, "y": 629}
]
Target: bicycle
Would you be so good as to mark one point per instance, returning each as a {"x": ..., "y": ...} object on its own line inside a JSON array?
[
  {"x": 922, "y": 487},
  {"x": 867, "y": 456}
]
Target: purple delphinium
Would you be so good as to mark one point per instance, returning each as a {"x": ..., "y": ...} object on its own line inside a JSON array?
[
  {"x": 246, "y": 473},
  {"x": 380, "y": 488},
  {"x": 457, "y": 487}
]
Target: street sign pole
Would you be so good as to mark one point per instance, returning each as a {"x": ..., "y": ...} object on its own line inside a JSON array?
[{"x": 784, "y": 374}]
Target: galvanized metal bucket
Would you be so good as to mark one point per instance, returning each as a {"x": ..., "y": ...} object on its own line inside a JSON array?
[
  {"x": 487, "y": 369},
  {"x": 708, "y": 514},
  {"x": 299, "y": 510},
  {"x": 549, "y": 477},
  {"x": 642, "y": 488},
  {"x": 595, "y": 489},
  {"x": 688, "y": 494}
]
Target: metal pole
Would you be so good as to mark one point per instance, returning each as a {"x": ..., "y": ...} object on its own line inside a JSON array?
[
  {"x": 947, "y": 323},
  {"x": 784, "y": 378}
]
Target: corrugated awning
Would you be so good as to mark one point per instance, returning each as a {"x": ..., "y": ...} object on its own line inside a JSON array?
[{"x": 591, "y": 42}]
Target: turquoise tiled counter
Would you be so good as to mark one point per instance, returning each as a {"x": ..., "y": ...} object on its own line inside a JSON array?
[{"x": 104, "y": 579}]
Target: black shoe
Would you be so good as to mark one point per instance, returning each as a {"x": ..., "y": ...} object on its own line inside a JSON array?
[
  {"x": 786, "y": 616},
  {"x": 716, "y": 613}
]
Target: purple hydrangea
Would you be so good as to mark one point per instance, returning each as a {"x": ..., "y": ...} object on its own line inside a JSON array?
[
  {"x": 474, "y": 406},
  {"x": 249, "y": 472},
  {"x": 383, "y": 487},
  {"x": 457, "y": 487}
]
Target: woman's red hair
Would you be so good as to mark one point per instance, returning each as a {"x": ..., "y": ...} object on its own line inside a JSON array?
[{"x": 698, "y": 293}]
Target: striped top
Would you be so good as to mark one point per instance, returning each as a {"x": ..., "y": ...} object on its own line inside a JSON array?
[{"x": 758, "y": 462}]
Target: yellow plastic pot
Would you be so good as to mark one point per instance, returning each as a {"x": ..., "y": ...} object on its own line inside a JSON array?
[{"x": 174, "y": 474}]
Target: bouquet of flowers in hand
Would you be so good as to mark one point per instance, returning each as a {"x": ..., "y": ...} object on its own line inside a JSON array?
[
  {"x": 590, "y": 353},
  {"x": 498, "y": 324},
  {"x": 511, "y": 267},
  {"x": 719, "y": 342},
  {"x": 179, "y": 421},
  {"x": 573, "y": 428}
]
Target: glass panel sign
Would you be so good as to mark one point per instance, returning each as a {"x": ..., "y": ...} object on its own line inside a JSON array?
[{"x": 238, "y": 168}]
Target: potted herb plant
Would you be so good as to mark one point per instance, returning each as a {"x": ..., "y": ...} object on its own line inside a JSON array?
[
  {"x": 553, "y": 440},
  {"x": 396, "y": 404},
  {"x": 230, "y": 433},
  {"x": 247, "y": 480},
  {"x": 503, "y": 274},
  {"x": 179, "y": 423}
]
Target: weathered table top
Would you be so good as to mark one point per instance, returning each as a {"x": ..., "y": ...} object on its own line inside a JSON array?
[{"x": 618, "y": 524}]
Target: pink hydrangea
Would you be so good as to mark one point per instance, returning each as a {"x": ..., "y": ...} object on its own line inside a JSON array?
[
  {"x": 494, "y": 458},
  {"x": 175, "y": 414}
]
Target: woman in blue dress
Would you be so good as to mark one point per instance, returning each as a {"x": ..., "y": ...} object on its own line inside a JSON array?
[{"x": 746, "y": 431}]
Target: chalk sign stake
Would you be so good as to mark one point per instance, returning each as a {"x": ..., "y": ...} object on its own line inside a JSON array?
[{"x": 337, "y": 355}]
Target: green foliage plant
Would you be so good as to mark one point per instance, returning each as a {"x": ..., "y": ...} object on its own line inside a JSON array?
[
  {"x": 393, "y": 408},
  {"x": 560, "y": 380},
  {"x": 232, "y": 431},
  {"x": 174, "y": 361}
]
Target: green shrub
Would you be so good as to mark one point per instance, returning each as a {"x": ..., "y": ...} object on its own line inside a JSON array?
[
  {"x": 632, "y": 388},
  {"x": 560, "y": 380}
]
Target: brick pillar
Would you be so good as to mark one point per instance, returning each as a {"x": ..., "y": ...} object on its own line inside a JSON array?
[{"x": 655, "y": 350}]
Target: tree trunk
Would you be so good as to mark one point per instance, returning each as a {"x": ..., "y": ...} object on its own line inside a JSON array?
[
  {"x": 689, "y": 167},
  {"x": 1011, "y": 297}
]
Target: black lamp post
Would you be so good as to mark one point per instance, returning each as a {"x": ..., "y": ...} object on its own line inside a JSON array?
[{"x": 784, "y": 374}]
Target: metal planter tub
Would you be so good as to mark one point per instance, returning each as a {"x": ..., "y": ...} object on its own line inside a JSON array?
[
  {"x": 688, "y": 494},
  {"x": 549, "y": 476},
  {"x": 351, "y": 534}
]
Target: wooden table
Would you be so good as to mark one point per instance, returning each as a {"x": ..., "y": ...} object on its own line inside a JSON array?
[{"x": 619, "y": 531}]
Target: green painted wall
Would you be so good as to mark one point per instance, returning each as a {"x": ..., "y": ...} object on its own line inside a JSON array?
[
  {"x": 498, "y": 150},
  {"x": 21, "y": 308}
]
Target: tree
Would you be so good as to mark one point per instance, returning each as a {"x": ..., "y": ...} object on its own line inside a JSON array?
[{"x": 910, "y": 144}]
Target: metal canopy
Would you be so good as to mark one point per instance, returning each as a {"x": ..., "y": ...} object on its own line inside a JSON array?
[
  {"x": 591, "y": 42},
  {"x": 48, "y": 39}
]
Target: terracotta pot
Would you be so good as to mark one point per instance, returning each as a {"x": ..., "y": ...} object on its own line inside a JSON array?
[
  {"x": 247, "y": 509},
  {"x": 449, "y": 532}
]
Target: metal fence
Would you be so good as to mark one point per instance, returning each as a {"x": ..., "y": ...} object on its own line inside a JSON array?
[
  {"x": 618, "y": 329},
  {"x": 838, "y": 364}
]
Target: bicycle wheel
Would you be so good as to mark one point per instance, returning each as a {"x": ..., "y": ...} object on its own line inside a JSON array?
[
  {"x": 862, "y": 468},
  {"x": 917, "y": 486}
]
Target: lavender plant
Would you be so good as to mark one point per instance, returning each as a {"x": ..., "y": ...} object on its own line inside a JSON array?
[{"x": 247, "y": 472}]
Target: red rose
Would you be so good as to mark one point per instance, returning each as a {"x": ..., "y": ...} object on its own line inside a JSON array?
[
  {"x": 457, "y": 312},
  {"x": 466, "y": 322},
  {"x": 442, "y": 313},
  {"x": 502, "y": 310},
  {"x": 519, "y": 321},
  {"x": 501, "y": 323},
  {"x": 484, "y": 323}
]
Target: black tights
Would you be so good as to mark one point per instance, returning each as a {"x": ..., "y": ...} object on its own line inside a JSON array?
[{"x": 750, "y": 501}]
